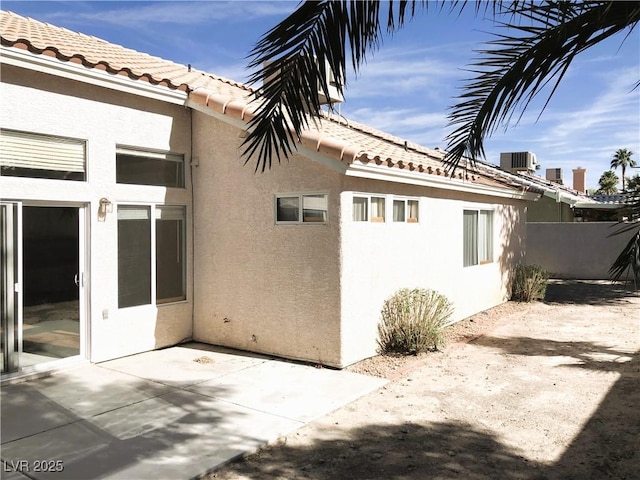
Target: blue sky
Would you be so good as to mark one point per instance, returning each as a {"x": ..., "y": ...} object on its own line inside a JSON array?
[{"x": 406, "y": 87}]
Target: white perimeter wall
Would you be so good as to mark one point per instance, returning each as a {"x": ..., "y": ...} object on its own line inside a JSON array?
[
  {"x": 380, "y": 258},
  {"x": 39, "y": 103},
  {"x": 575, "y": 250}
]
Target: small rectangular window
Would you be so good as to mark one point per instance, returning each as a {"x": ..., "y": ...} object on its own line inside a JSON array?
[
  {"x": 360, "y": 209},
  {"x": 41, "y": 156},
  {"x": 363, "y": 205},
  {"x": 412, "y": 211},
  {"x": 288, "y": 209},
  {"x": 477, "y": 237},
  {"x": 312, "y": 208},
  {"x": 405, "y": 210},
  {"x": 378, "y": 209},
  {"x": 398, "y": 210},
  {"x": 137, "y": 167}
]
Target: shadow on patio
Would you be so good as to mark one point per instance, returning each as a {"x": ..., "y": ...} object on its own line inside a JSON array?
[{"x": 587, "y": 292}]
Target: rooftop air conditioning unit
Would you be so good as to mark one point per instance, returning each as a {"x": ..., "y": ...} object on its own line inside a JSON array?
[
  {"x": 554, "y": 175},
  {"x": 334, "y": 94},
  {"x": 518, "y": 162}
]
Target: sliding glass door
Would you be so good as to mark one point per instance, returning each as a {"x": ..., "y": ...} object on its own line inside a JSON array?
[{"x": 42, "y": 284}]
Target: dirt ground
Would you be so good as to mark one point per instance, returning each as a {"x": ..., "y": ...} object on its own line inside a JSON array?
[{"x": 548, "y": 390}]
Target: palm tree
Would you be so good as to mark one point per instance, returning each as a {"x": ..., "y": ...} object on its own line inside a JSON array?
[
  {"x": 622, "y": 158},
  {"x": 634, "y": 183},
  {"x": 608, "y": 183},
  {"x": 540, "y": 44},
  {"x": 544, "y": 40}
]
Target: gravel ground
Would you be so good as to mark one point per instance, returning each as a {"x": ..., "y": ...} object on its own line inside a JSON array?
[{"x": 547, "y": 390}]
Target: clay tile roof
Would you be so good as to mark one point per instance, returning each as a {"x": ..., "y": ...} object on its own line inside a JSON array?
[
  {"x": 42, "y": 38},
  {"x": 332, "y": 135}
]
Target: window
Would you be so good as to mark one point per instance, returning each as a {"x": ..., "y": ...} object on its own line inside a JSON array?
[
  {"x": 477, "y": 237},
  {"x": 170, "y": 254},
  {"x": 135, "y": 247},
  {"x": 41, "y": 156},
  {"x": 301, "y": 208},
  {"x": 139, "y": 167},
  {"x": 134, "y": 256},
  {"x": 405, "y": 210},
  {"x": 363, "y": 205}
]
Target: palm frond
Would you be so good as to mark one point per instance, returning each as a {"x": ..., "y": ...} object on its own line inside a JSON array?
[
  {"x": 628, "y": 261},
  {"x": 286, "y": 56},
  {"x": 296, "y": 55},
  {"x": 514, "y": 69}
]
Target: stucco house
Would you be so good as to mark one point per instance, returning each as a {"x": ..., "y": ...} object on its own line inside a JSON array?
[{"x": 130, "y": 222}]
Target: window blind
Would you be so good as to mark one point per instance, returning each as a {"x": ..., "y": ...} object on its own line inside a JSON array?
[
  {"x": 41, "y": 152},
  {"x": 131, "y": 212},
  {"x": 171, "y": 157}
]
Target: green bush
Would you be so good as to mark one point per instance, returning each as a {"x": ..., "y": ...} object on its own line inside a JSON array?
[
  {"x": 529, "y": 283},
  {"x": 412, "y": 321}
]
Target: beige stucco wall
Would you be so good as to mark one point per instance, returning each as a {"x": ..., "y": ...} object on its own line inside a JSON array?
[
  {"x": 380, "y": 258},
  {"x": 260, "y": 286},
  {"x": 575, "y": 250},
  {"x": 314, "y": 292},
  {"x": 39, "y": 103},
  {"x": 546, "y": 209}
]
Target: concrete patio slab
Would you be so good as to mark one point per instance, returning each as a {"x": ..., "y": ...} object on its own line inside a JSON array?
[
  {"x": 186, "y": 364},
  {"x": 306, "y": 394},
  {"x": 135, "y": 418}
]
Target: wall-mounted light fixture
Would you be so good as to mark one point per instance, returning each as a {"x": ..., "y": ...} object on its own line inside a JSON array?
[{"x": 105, "y": 206}]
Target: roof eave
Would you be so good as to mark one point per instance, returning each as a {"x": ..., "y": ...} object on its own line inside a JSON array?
[
  {"x": 408, "y": 177},
  {"x": 78, "y": 72}
]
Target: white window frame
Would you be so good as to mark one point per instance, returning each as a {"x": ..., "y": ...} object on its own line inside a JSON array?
[
  {"x": 491, "y": 236},
  {"x": 153, "y": 218},
  {"x": 369, "y": 197},
  {"x": 407, "y": 218},
  {"x": 150, "y": 154},
  {"x": 300, "y": 197}
]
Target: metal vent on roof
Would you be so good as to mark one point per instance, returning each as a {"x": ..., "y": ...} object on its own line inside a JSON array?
[{"x": 518, "y": 161}]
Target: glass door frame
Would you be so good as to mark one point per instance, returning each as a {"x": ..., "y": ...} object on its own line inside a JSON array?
[
  {"x": 83, "y": 287},
  {"x": 12, "y": 295}
]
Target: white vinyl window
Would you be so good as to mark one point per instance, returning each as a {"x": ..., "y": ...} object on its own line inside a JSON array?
[
  {"x": 41, "y": 156},
  {"x": 369, "y": 209},
  {"x": 302, "y": 208},
  {"x": 139, "y": 167},
  {"x": 477, "y": 237},
  {"x": 171, "y": 268},
  {"x": 405, "y": 210},
  {"x": 137, "y": 240}
]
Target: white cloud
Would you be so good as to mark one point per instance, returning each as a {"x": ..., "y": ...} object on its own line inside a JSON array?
[
  {"x": 177, "y": 13},
  {"x": 401, "y": 72}
]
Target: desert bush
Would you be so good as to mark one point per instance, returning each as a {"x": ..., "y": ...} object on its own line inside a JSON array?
[
  {"x": 529, "y": 283},
  {"x": 412, "y": 321}
]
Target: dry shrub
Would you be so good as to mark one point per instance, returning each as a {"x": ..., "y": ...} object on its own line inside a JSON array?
[
  {"x": 529, "y": 283},
  {"x": 412, "y": 321}
]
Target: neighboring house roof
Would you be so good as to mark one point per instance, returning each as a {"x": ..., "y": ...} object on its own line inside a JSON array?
[
  {"x": 358, "y": 146},
  {"x": 617, "y": 200}
]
